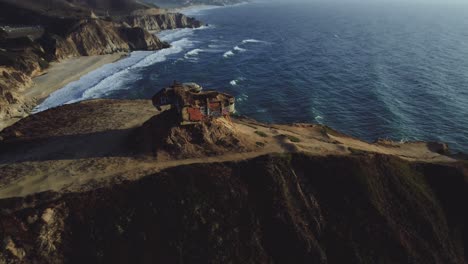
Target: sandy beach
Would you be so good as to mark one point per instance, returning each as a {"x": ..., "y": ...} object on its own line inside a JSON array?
[{"x": 61, "y": 73}]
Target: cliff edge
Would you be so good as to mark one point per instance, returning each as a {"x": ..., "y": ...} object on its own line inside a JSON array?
[{"x": 101, "y": 181}]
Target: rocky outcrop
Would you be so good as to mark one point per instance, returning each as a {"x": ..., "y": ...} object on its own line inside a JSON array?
[
  {"x": 160, "y": 22},
  {"x": 162, "y": 135},
  {"x": 20, "y": 59},
  {"x": 292, "y": 208},
  {"x": 140, "y": 39}
]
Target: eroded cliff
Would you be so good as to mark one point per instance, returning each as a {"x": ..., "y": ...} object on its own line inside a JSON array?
[{"x": 158, "y": 22}]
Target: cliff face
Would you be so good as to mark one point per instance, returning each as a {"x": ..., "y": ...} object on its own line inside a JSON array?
[
  {"x": 291, "y": 208},
  {"x": 162, "y": 21},
  {"x": 97, "y": 37}
]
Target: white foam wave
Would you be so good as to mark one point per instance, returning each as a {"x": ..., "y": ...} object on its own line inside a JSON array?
[
  {"x": 171, "y": 35},
  {"x": 237, "y": 48},
  {"x": 242, "y": 97},
  {"x": 110, "y": 77},
  {"x": 245, "y": 41},
  {"x": 193, "y": 53},
  {"x": 237, "y": 81},
  {"x": 174, "y": 34},
  {"x": 119, "y": 75},
  {"x": 228, "y": 54},
  {"x": 161, "y": 55}
]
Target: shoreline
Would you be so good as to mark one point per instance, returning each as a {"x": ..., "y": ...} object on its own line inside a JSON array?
[{"x": 60, "y": 74}]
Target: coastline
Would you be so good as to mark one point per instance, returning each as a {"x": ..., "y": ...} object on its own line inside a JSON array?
[
  {"x": 64, "y": 72},
  {"x": 58, "y": 75}
]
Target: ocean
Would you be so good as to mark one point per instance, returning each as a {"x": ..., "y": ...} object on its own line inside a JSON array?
[{"x": 371, "y": 70}]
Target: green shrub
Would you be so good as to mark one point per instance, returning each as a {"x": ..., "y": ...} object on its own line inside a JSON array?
[
  {"x": 260, "y": 144},
  {"x": 260, "y": 133},
  {"x": 357, "y": 151},
  {"x": 293, "y": 139}
]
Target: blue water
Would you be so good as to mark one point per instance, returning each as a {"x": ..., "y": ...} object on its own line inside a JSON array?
[{"x": 383, "y": 70}]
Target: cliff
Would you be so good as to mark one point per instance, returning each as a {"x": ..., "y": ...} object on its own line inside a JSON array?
[
  {"x": 178, "y": 3},
  {"x": 83, "y": 192},
  {"x": 60, "y": 34},
  {"x": 158, "y": 22}
]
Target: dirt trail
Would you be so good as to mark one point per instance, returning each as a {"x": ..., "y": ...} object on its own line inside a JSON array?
[{"x": 81, "y": 146}]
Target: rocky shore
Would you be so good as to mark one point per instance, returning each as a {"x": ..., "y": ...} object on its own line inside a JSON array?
[{"x": 24, "y": 56}]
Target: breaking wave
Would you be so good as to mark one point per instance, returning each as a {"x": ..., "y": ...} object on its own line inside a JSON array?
[
  {"x": 237, "y": 48},
  {"x": 118, "y": 75},
  {"x": 245, "y": 41},
  {"x": 228, "y": 54},
  {"x": 236, "y": 81}
]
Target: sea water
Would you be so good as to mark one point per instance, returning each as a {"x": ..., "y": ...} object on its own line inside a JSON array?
[{"x": 369, "y": 69}]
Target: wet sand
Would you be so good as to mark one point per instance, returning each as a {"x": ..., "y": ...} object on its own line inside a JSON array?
[{"x": 66, "y": 71}]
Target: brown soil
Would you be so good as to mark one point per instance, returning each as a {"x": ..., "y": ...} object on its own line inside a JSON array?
[{"x": 76, "y": 146}]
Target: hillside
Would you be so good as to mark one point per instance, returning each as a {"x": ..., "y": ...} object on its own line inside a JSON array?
[{"x": 116, "y": 182}]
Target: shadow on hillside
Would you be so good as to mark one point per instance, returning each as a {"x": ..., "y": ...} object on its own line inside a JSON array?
[{"x": 111, "y": 143}]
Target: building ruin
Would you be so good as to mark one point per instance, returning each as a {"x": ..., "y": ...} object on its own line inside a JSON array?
[{"x": 193, "y": 104}]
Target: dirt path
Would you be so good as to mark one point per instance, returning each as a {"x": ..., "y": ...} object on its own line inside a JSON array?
[{"x": 81, "y": 146}]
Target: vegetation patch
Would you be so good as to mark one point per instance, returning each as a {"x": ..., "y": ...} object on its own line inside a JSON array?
[
  {"x": 292, "y": 138},
  {"x": 260, "y": 144},
  {"x": 260, "y": 133},
  {"x": 357, "y": 151}
]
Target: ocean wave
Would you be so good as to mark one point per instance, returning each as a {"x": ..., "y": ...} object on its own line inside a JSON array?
[
  {"x": 236, "y": 81},
  {"x": 242, "y": 97},
  {"x": 237, "y": 48},
  {"x": 193, "y": 53},
  {"x": 161, "y": 55},
  {"x": 245, "y": 41},
  {"x": 228, "y": 54},
  {"x": 174, "y": 34},
  {"x": 318, "y": 117},
  {"x": 171, "y": 35},
  {"x": 111, "y": 77}
]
